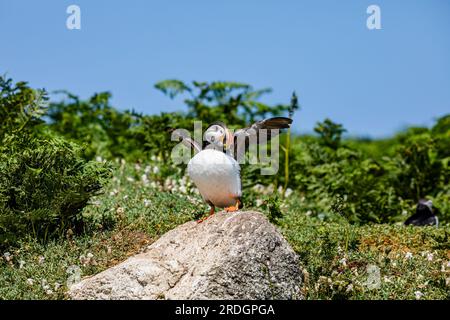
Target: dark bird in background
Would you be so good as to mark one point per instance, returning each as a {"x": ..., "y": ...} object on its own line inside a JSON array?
[{"x": 424, "y": 216}]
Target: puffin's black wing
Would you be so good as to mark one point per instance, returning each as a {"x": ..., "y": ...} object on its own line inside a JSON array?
[
  {"x": 419, "y": 220},
  {"x": 243, "y": 137},
  {"x": 424, "y": 216}
]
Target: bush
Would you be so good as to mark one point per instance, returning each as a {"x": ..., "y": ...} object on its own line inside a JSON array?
[
  {"x": 94, "y": 123},
  {"x": 44, "y": 185},
  {"x": 234, "y": 103},
  {"x": 44, "y": 179},
  {"x": 21, "y": 107},
  {"x": 339, "y": 176}
]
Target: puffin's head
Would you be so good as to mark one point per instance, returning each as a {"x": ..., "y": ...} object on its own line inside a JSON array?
[
  {"x": 216, "y": 134},
  {"x": 425, "y": 206}
]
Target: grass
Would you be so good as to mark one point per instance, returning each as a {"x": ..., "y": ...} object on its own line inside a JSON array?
[
  {"x": 340, "y": 261},
  {"x": 381, "y": 261}
]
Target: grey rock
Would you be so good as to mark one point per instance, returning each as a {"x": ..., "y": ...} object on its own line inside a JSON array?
[{"x": 229, "y": 256}]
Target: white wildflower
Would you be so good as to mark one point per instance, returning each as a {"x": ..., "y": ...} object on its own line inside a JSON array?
[
  {"x": 125, "y": 197},
  {"x": 259, "y": 202},
  {"x": 57, "y": 286},
  {"x": 430, "y": 257},
  {"x": 408, "y": 255},
  {"x": 155, "y": 170},
  {"x": 137, "y": 167},
  {"x": 115, "y": 192},
  {"x": 99, "y": 159},
  {"x": 184, "y": 181},
  {"x": 30, "y": 281},
  {"x": 86, "y": 260},
  {"x": 288, "y": 192},
  {"x": 21, "y": 264},
  {"x": 144, "y": 179},
  {"x": 130, "y": 179},
  {"x": 418, "y": 295},
  {"x": 147, "y": 203},
  {"x": 343, "y": 261},
  {"x": 41, "y": 260},
  {"x": 8, "y": 257},
  {"x": 147, "y": 169},
  {"x": 45, "y": 285},
  {"x": 182, "y": 189},
  {"x": 349, "y": 288},
  {"x": 49, "y": 292},
  {"x": 258, "y": 188}
]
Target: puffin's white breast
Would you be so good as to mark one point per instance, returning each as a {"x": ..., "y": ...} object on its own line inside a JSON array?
[{"x": 217, "y": 177}]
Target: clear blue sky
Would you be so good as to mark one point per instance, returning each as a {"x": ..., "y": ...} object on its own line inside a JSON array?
[{"x": 374, "y": 82}]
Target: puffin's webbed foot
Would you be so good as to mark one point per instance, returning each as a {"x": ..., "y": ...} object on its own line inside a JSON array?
[
  {"x": 234, "y": 208},
  {"x": 211, "y": 212}
]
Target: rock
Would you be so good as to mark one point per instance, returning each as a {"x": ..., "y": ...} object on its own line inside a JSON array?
[{"x": 229, "y": 256}]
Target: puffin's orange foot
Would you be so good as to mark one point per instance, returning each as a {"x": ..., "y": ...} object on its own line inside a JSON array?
[
  {"x": 234, "y": 208},
  {"x": 231, "y": 209},
  {"x": 203, "y": 219},
  {"x": 211, "y": 212}
]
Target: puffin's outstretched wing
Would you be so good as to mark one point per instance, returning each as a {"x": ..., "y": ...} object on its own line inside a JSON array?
[
  {"x": 186, "y": 140},
  {"x": 243, "y": 137}
]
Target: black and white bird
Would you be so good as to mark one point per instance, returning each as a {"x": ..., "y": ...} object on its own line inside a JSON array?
[
  {"x": 215, "y": 170},
  {"x": 424, "y": 216}
]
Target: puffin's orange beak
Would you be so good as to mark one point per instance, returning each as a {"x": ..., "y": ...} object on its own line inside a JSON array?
[{"x": 227, "y": 137}]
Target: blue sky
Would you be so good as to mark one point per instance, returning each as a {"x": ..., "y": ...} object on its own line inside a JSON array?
[{"x": 375, "y": 82}]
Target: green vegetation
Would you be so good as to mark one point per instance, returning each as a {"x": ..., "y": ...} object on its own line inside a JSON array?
[
  {"x": 84, "y": 185},
  {"x": 44, "y": 181}
]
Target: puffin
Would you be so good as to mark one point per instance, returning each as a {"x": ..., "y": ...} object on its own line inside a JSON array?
[
  {"x": 424, "y": 216},
  {"x": 215, "y": 170}
]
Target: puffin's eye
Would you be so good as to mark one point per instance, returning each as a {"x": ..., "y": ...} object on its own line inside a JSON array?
[{"x": 212, "y": 139}]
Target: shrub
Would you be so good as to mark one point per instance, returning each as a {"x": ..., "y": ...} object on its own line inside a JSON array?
[
  {"x": 21, "y": 107},
  {"x": 234, "y": 103},
  {"x": 44, "y": 179},
  {"x": 418, "y": 167},
  {"x": 104, "y": 130},
  {"x": 44, "y": 184}
]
